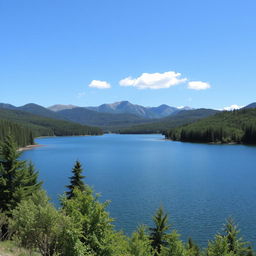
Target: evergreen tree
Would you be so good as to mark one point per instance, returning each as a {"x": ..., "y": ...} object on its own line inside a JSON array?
[
  {"x": 76, "y": 181},
  {"x": 235, "y": 243},
  {"x": 90, "y": 216},
  {"x": 158, "y": 234},
  {"x": 17, "y": 179},
  {"x": 22, "y": 134},
  {"x": 139, "y": 244},
  {"x": 175, "y": 246},
  {"x": 193, "y": 248}
]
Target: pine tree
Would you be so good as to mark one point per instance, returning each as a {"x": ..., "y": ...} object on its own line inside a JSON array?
[
  {"x": 158, "y": 233},
  {"x": 17, "y": 179},
  {"x": 76, "y": 181},
  {"x": 193, "y": 248},
  {"x": 235, "y": 243}
]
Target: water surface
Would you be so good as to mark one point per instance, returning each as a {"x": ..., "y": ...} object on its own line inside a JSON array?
[{"x": 199, "y": 185}]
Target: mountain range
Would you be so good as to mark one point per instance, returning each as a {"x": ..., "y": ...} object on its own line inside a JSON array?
[
  {"x": 120, "y": 116},
  {"x": 125, "y": 107}
]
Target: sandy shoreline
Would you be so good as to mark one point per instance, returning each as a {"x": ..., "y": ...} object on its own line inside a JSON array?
[{"x": 29, "y": 147}]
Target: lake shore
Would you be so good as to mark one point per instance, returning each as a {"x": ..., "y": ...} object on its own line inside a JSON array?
[{"x": 29, "y": 147}]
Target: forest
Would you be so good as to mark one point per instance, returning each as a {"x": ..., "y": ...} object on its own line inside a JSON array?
[
  {"x": 25, "y": 127},
  {"x": 172, "y": 121},
  {"x": 237, "y": 126},
  {"x": 22, "y": 134},
  {"x": 82, "y": 226}
]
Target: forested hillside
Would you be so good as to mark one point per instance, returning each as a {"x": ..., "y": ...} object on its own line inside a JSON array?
[
  {"x": 31, "y": 126},
  {"x": 107, "y": 121},
  {"x": 22, "y": 134},
  {"x": 162, "y": 125},
  {"x": 238, "y": 126},
  {"x": 122, "y": 117}
]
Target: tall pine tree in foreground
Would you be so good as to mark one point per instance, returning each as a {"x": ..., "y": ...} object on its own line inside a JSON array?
[
  {"x": 17, "y": 179},
  {"x": 158, "y": 235},
  {"x": 76, "y": 180}
]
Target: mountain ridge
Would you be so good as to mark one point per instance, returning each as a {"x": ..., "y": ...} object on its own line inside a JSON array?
[
  {"x": 120, "y": 116},
  {"x": 146, "y": 112}
]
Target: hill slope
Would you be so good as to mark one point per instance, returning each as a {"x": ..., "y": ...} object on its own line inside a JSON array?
[
  {"x": 161, "y": 125},
  {"x": 238, "y": 126},
  {"x": 104, "y": 120},
  {"x": 81, "y": 115},
  {"x": 43, "y": 126},
  {"x": 38, "y": 110},
  {"x": 23, "y": 135}
]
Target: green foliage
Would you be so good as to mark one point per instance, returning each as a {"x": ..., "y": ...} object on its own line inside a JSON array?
[
  {"x": 238, "y": 126},
  {"x": 22, "y": 135},
  {"x": 229, "y": 243},
  {"x": 76, "y": 181},
  {"x": 235, "y": 243},
  {"x": 218, "y": 247},
  {"x": 83, "y": 227},
  {"x": 17, "y": 179},
  {"x": 139, "y": 243},
  {"x": 37, "y": 225},
  {"x": 193, "y": 249},
  {"x": 90, "y": 215},
  {"x": 163, "y": 124},
  {"x": 3, "y": 224},
  {"x": 158, "y": 233},
  {"x": 44, "y": 126},
  {"x": 174, "y": 246}
]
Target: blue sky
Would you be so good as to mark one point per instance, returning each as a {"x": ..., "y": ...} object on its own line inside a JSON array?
[{"x": 52, "y": 50}]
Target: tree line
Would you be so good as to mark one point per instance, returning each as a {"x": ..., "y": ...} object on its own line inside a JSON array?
[
  {"x": 82, "y": 226},
  {"x": 238, "y": 126},
  {"x": 25, "y": 127},
  {"x": 22, "y": 134}
]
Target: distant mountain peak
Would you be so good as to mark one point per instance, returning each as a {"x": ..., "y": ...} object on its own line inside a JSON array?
[{"x": 135, "y": 109}]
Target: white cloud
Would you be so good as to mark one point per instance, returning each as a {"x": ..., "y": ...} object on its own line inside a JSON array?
[
  {"x": 99, "y": 84},
  {"x": 232, "y": 107},
  {"x": 198, "y": 85},
  {"x": 154, "y": 80}
]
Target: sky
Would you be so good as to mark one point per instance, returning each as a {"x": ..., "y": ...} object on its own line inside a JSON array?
[{"x": 199, "y": 53}]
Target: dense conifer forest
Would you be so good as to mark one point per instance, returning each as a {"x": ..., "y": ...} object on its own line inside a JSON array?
[
  {"x": 238, "y": 126},
  {"x": 159, "y": 126},
  {"x": 25, "y": 127},
  {"x": 22, "y": 134}
]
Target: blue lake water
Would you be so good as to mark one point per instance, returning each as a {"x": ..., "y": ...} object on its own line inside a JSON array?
[{"x": 199, "y": 185}]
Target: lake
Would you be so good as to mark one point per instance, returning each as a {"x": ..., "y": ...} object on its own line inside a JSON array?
[{"x": 199, "y": 185}]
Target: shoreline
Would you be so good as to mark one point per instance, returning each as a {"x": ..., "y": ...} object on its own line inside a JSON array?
[
  {"x": 211, "y": 143},
  {"x": 29, "y": 147}
]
